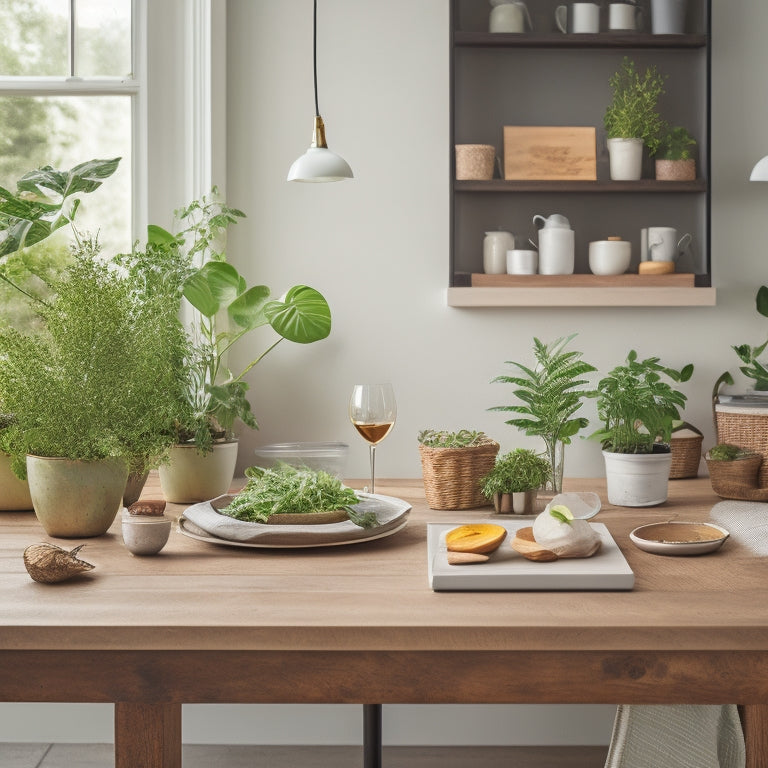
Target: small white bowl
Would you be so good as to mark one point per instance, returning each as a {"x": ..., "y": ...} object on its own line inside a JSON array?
[
  {"x": 609, "y": 257},
  {"x": 144, "y": 535}
]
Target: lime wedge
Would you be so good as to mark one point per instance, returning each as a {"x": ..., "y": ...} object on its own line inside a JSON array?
[{"x": 562, "y": 513}]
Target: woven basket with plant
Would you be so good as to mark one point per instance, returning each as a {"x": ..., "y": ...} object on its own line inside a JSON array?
[
  {"x": 733, "y": 472},
  {"x": 452, "y": 465}
]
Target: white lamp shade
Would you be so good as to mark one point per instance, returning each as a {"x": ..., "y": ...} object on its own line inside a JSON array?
[
  {"x": 760, "y": 171},
  {"x": 319, "y": 164}
]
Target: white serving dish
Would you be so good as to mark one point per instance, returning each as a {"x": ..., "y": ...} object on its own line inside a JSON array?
[{"x": 679, "y": 538}]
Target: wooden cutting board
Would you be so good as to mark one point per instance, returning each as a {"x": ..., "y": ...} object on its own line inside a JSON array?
[{"x": 549, "y": 153}]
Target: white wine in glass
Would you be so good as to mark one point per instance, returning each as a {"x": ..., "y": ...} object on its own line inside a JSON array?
[{"x": 373, "y": 411}]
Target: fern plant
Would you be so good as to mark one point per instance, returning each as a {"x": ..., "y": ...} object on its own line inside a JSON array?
[{"x": 550, "y": 395}]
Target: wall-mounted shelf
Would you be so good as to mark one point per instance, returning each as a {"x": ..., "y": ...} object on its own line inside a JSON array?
[{"x": 546, "y": 78}]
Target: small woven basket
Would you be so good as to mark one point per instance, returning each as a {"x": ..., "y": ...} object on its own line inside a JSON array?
[
  {"x": 747, "y": 428},
  {"x": 452, "y": 475},
  {"x": 475, "y": 161},
  {"x": 686, "y": 456},
  {"x": 735, "y": 479}
]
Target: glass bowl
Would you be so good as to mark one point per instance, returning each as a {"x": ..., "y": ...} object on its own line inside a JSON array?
[{"x": 329, "y": 457}]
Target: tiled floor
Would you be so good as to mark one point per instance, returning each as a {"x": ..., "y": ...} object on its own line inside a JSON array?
[{"x": 100, "y": 756}]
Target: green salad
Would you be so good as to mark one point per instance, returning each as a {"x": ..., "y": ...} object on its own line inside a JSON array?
[{"x": 288, "y": 490}]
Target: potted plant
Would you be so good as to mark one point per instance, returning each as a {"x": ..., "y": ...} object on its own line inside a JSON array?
[
  {"x": 453, "y": 464},
  {"x": 14, "y": 491},
  {"x": 674, "y": 160},
  {"x": 91, "y": 391},
  {"x": 202, "y": 463},
  {"x": 549, "y": 395},
  {"x": 638, "y": 409},
  {"x": 514, "y": 481},
  {"x": 632, "y": 119},
  {"x": 742, "y": 418}
]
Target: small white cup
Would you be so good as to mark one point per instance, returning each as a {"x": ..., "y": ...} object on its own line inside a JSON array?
[
  {"x": 624, "y": 17},
  {"x": 520, "y": 262},
  {"x": 585, "y": 18}
]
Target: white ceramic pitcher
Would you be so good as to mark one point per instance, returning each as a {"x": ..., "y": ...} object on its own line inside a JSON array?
[
  {"x": 509, "y": 16},
  {"x": 556, "y": 245}
]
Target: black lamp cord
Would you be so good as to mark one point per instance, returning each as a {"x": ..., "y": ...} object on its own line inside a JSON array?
[{"x": 314, "y": 54}]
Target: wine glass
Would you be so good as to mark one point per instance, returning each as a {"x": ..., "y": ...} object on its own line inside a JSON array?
[{"x": 373, "y": 410}]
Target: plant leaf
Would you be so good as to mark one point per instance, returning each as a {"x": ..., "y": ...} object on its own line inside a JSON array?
[
  {"x": 247, "y": 310},
  {"x": 215, "y": 285},
  {"x": 303, "y": 316}
]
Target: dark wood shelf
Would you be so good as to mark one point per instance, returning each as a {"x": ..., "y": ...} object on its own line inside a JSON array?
[
  {"x": 644, "y": 185},
  {"x": 559, "y": 40}
]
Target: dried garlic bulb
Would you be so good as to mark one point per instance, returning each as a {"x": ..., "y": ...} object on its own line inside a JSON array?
[{"x": 49, "y": 564}]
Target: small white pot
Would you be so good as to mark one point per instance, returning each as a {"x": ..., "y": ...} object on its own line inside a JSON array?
[
  {"x": 626, "y": 158},
  {"x": 191, "y": 477},
  {"x": 637, "y": 479}
]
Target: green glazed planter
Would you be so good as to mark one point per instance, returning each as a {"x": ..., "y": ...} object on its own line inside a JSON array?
[
  {"x": 189, "y": 477},
  {"x": 76, "y": 499}
]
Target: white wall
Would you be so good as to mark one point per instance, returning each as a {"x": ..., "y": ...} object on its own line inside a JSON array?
[{"x": 377, "y": 247}]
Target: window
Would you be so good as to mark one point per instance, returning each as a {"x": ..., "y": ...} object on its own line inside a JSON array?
[{"x": 69, "y": 93}]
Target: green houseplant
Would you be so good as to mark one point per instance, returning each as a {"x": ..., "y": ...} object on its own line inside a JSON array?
[
  {"x": 674, "y": 159},
  {"x": 514, "y": 481},
  {"x": 549, "y": 394},
  {"x": 92, "y": 392},
  {"x": 639, "y": 408},
  {"x": 452, "y": 465},
  {"x": 632, "y": 119},
  {"x": 225, "y": 310}
]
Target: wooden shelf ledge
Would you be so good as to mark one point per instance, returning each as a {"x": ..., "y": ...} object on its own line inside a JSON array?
[{"x": 552, "y": 297}]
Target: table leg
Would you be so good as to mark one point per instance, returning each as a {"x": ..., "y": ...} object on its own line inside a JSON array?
[
  {"x": 754, "y": 721},
  {"x": 371, "y": 735},
  {"x": 147, "y": 735}
]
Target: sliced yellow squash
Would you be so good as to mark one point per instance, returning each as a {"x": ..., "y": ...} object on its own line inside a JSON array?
[{"x": 480, "y": 538}]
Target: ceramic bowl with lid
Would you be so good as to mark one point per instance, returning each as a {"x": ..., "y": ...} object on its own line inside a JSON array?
[{"x": 610, "y": 257}]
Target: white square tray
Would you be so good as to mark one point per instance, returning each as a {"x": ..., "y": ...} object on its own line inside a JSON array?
[{"x": 508, "y": 570}]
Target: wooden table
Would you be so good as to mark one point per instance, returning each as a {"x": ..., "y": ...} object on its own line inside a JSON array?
[{"x": 359, "y": 624}]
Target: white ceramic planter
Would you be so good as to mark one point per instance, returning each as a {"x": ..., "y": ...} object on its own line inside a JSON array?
[
  {"x": 190, "y": 477},
  {"x": 626, "y": 158},
  {"x": 637, "y": 479},
  {"x": 76, "y": 499},
  {"x": 14, "y": 493}
]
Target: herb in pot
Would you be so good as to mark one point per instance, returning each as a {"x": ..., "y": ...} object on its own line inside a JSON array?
[{"x": 289, "y": 490}]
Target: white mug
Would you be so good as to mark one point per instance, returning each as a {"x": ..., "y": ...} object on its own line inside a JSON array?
[
  {"x": 623, "y": 16},
  {"x": 520, "y": 262},
  {"x": 663, "y": 244},
  {"x": 585, "y": 18}
]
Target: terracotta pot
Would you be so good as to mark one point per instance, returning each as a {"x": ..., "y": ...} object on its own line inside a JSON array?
[
  {"x": 76, "y": 499},
  {"x": 190, "y": 477}
]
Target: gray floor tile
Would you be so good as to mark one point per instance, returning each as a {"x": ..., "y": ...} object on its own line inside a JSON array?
[
  {"x": 80, "y": 756},
  {"x": 22, "y": 755}
]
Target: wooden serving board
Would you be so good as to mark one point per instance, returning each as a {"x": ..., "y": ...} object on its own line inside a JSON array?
[
  {"x": 549, "y": 153},
  {"x": 674, "y": 280}
]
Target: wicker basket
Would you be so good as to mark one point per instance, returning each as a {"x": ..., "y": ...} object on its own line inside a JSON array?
[
  {"x": 747, "y": 428},
  {"x": 686, "y": 456},
  {"x": 475, "y": 161},
  {"x": 452, "y": 475},
  {"x": 735, "y": 479}
]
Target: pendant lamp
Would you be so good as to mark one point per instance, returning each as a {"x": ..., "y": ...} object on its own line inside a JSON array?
[
  {"x": 318, "y": 163},
  {"x": 760, "y": 171}
]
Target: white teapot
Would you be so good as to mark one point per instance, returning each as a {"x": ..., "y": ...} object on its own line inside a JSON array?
[
  {"x": 556, "y": 245},
  {"x": 509, "y": 16}
]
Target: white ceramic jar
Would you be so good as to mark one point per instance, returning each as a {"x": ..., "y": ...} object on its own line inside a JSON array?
[
  {"x": 610, "y": 257},
  {"x": 495, "y": 247}
]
